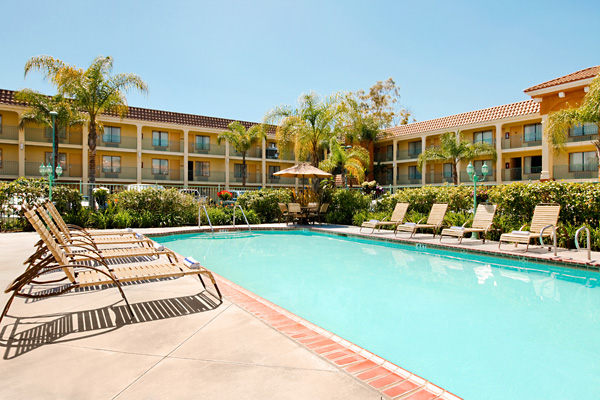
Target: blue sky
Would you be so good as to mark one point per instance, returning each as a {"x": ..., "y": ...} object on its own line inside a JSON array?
[{"x": 237, "y": 59}]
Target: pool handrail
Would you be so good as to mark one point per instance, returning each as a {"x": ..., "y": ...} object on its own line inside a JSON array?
[
  {"x": 589, "y": 241},
  {"x": 553, "y": 236},
  {"x": 243, "y": 213},
  {"x": 207, "y": 217}
]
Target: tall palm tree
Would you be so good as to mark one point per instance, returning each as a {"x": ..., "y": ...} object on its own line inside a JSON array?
[
  {"x": 39, "y": 109},
  {"x": 308, "y": 129},
  {"x": 561, "y": 121},
  {"x": 454, "y": 149},
  {"x": 243, "y": 140},
  {"x": 93, "y": 90},
  {"x": 351, "y": 161}
]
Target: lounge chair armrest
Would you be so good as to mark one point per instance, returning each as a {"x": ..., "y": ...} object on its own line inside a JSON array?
[
  {"x": 421, "y": 220},
  {"x": 523, "y": 227},
  {"x": 465, "y": 224}
]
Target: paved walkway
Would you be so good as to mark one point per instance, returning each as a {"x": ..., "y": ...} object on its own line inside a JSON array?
[{"x": 183, "y": 344}]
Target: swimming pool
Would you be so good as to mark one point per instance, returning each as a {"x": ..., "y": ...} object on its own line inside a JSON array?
[{"x": 481, "y": 327}]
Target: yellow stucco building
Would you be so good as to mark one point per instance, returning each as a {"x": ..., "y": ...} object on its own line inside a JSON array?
[{"x": 153, "y": 146}]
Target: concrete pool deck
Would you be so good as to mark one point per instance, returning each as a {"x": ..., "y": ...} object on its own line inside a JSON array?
[{"x": 183, "y": 344}]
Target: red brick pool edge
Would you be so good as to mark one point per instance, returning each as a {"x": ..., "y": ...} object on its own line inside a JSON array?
[{"x": 392, "y": 381}]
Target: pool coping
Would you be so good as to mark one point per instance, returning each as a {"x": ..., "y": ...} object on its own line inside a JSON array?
[{"x": 381, "y": 375}]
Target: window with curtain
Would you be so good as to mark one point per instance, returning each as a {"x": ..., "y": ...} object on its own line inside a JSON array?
[
  {"x": 585, "y": 161},
  {"x": 414, "y": 148},
  {"x": 413, "y": 172},
  {"x": 160, "y": 139},
  {"x": 532, "y": 133},
  {"x": 202, "y": 142},
  {"x": 202, "y": 168},
  {"x": 112, "y": 134},
  {"x": 160, "y": 167},
  {"x": 272, "y": 170},
  {"x": 584, "y": 130},
  {"x": 111, "y": 164},
  {"x": 447, "y": 170},
  {"x": 483, "y": 137}
]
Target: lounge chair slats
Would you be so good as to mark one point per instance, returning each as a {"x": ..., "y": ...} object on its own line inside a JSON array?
[
  {"x": 434, "y": 221},
  {"x": 543, "y": 215},
  {"x": 397, "y": 217},
  {"x": 481, "y": 223}
]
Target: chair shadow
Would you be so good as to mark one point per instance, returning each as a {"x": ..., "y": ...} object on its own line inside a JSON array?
[{"x": 89, "y": 323}]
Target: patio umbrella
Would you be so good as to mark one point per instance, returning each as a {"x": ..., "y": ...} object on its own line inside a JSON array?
[{"x": 303, "y": 170}]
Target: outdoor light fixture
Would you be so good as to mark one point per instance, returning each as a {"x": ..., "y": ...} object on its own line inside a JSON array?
[{"x": 475, "y": 179}]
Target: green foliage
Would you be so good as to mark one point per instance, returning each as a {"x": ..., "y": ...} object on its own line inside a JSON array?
[
  {"x": 66, "y": 199},
  {"x": 13, "y": 195},
  {"x": 345, "y": 204},
  {"x": 168, "y": 207},
  {"x": 264, "y": 203},
  {"x": 459, "y": 198}
]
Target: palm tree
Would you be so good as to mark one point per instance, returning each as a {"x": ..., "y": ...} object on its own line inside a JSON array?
[
  {"x": 454, "y": 149},
  {"x": 243, "y": 140},
  {"x": 351, "y": 161},
  {"x": 94, "y": 91},
  {"x": 308, "y": 129},
  {"x": 561, "y": 121},
  {"x": 39, "y": 113}
]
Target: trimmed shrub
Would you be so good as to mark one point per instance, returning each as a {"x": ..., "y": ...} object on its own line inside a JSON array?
[
  {"x": 264, "y": 203},
  {"x": 345, "y": 204},
  {"x": 224, "y": 216}
]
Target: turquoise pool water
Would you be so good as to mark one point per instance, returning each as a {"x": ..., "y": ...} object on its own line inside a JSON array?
[{"x": 480, "y": 327}]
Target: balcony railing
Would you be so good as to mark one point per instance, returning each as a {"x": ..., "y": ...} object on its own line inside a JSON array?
[
  {"x": 439, "y": 177},
  {"x": 162, "y": 145},
  {"x": 157, "y": 174},
  {"x": 383, "y": 157},
  {"x": 44, "y": 135},
  {"x": 9, "y": 132},
  {"x": 9, "y": 168},
  {"x": 116, "y": 173},
  {"x": 407, "y": 154},
  {"x": 254, "y": 152},
  {"x": 251, "y": 177},
  {"x": 213, "y": 176},
  {"x": 491, "y": 176},
  {"x": 126, "y": 142},
  {"x": 69, "y": 170},
  {"x": 407, "y": 179},
  {"x": 582, "y": 138},
  {"x": 280, "y": 180},
  {"x": 212, "y": 149},
  {"x": 516, "y": 141},
  {"x": 519, "y": 174},
  {"x": 575, "y": 171}
]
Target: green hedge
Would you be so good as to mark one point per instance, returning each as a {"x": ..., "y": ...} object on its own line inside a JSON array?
[
  {"x": 264, "y": 203},
  {"x": 345, "y": 204}
]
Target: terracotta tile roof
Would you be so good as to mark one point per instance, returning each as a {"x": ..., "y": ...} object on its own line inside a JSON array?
[
  {"x": 146, "y": 114},
  {"x": 527, "y": 107},
  {"x": 575, "y": 76}
]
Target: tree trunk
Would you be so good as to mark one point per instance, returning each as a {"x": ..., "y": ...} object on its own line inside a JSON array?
[
  {"x": 244, "y": 169},
  {"x": 92, "y": 164},
  {"x": 370, "y": 146},
  {"x": 454, "y": 173}
]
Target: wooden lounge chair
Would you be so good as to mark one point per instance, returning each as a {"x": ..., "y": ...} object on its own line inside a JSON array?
[
  {"x": 545, "y": 216},
  {"x": 88, "y": 247},
  {"x": 75, "y": 230},
  {"x": 80, "y": 275},
  {"x": 395, "y": 220},
  {"x": 482, "y": 222},
  {"x": 104, "y": 239},
  {"x": 435, "y": 221},
  {"x": 318, "y": 213}
]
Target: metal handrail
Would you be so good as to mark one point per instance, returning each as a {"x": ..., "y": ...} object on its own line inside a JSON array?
[
  {"x": 553, "y": 235},
  {"x": 207, "y": 218},
  {"x": 243, "y": 213},
  {"x": 589, "y": 241}
]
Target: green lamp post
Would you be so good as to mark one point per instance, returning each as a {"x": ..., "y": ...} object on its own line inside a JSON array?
[
  {"x": 47, "y": 171},
  {"x": 475, "y": 179}
]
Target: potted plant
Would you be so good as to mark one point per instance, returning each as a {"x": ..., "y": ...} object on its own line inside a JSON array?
[
  {"x": 225, "y": 195},
  {"x": 101, "y": 195}
]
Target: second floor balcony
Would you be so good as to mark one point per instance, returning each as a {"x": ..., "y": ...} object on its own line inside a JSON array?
[
  {"x": 44, "y": 135},
  {"x": 175, "y": 146},
  {"x": 251, "y": 177},
  {"x": 520, "y": 141},
  {"x": 575, "y": 171},
  {"x": 209, "y": 149},
  {"x": 254, "y": 152},
  {"x": 9, "y": 132},
  {"x": 162, "y": 174},
  {"x": 113, "y": 172},
  {"x": 123, "y": 142}
]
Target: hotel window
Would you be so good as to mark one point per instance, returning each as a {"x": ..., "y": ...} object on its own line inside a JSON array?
[
  {"x": 413, "y": 172},
  {"x": 202, "y": 168},
  {"x": 160, "y": 167},
  {"x": 160, "y": 139},
  {"x": 111, "y": 164},
  {"x": 202, "y": 142},
  {"x": 584, "y": 130},
  {"x": 447, "y": 170},
  {"x": 62, "y": 159},
  {"x": 112, "y": 134},
  {"x": 483, "y": 137},
  {"x": 237, "y": 170},
  {"x": 414, "y": 148},
  {"x": 272, "y": 170},
  {"x": 533, "y": 133},
  {"x": 586, "y": 161}
]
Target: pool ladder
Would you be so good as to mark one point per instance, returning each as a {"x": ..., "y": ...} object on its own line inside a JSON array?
[
  {"x": 243, "y": 213},
  {"x": 207, "y": 218},
  {"x": 589, "y": 241}
]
